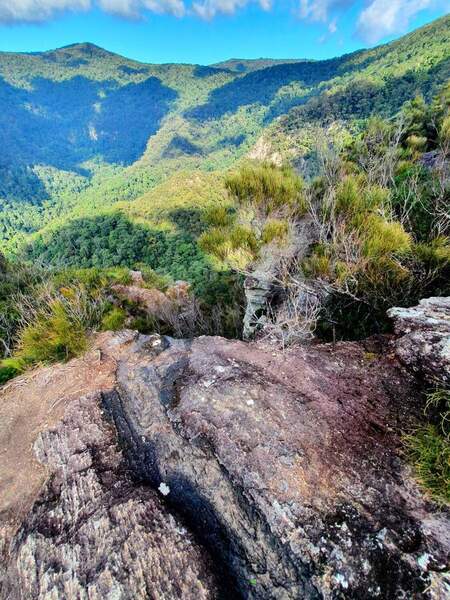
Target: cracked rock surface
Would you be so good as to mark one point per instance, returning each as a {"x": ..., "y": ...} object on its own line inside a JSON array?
[
  {"x": 424, "y": 342},
  {"x": 218, "y": 469}
]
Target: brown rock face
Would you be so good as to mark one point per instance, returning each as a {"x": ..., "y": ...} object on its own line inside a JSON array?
[{"x": 280, "y": 473}]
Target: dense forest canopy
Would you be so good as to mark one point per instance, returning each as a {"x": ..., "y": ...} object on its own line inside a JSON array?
[{"x": 84, "y": 127}]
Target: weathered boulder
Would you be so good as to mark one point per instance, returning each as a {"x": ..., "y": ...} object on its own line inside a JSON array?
[
  {"x": 156, "y": 303},
  {"x": 424, "y": 342},
  {"x": 281, "y": 473}
]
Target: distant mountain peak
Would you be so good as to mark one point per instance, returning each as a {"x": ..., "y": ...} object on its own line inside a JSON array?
[{"x": 82, "y": 48}]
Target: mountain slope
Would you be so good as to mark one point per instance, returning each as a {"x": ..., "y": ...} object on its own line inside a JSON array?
[
  {"x": 242, "y": 65},
  {"x": 83, "y": 127}
]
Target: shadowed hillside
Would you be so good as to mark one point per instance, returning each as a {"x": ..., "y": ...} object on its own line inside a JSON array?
[{"x": 84, "y": 128}]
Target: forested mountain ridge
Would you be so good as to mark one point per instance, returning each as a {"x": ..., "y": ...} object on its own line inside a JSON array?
[
  {"x": 254, "y": 64},
  {"x": 83, "y": 128}
]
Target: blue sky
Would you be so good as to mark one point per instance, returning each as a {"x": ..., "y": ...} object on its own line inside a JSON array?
[{"x": 207, "y": 31}]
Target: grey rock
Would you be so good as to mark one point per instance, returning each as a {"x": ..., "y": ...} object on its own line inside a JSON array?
[
  {"x": 287, "y": 466},
  {"x": 95, "y": 533},
  {"x": 424, "y": 338}
]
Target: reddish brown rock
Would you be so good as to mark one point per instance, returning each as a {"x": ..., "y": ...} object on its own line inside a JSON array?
[
  {"x": 161, "y": 305},
  {"x": 288, "y": 465},
  {"x": 82, "y": 526},
  {"x": 282, "y": 473}
]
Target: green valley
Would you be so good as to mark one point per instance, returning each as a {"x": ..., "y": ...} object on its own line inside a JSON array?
[{"x": 83, "y": 128}]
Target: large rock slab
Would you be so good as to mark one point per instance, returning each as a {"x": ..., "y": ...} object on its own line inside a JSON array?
[
  {"x": 90, "y": 531},
  {"x": 424, "y": 338},
  {"x": 213, "y": 468},
  {"x": 287, "y": 464}
]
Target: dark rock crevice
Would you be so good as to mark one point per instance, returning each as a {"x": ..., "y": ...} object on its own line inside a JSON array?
[
  {"x": 94, "y": 517},
  {"x": 178, "y": 445},
  {"x": 236, "y": 564}
]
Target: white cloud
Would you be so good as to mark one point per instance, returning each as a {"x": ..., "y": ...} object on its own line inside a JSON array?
[
  {"x": 320, "y": 10},
  {"x": 386, "y": 17},
  {"x": 377, "y": 19},
  {"x": 23, "y": 11},
  {"x": 133, "y": 8},
  {"x": 17, "y": 11},
  {"x": 12, "y": 11},
  {"x": 123, "y": 8},
  {"x": 208, "y": 9}
]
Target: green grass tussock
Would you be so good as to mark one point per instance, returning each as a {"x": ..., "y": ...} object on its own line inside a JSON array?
[{"x": 428, "y": 447}]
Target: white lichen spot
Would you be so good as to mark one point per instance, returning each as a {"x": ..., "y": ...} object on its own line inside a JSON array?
[
  {"x": 164, "y": 489},
  {"x": 340, "y": 580},
  {"x": 381, "y": 536},
  {"x": 366, "y": 566},
  {"x": 424, "y": 560},
  {"x": 250, "y": 402}
]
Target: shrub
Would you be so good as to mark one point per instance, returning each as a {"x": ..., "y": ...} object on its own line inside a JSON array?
[
  {"x": 445, "y": 131},
  {"x": 349, "y": 200},
  {"x": 214, "y": 241},
  {"x": 318, "y": 265},
  {"x": 383, "y": 238},
  {"x": 114, "y": 319},
  {"x": 274, "y": 230},
  {"x": 91, "y": 278},
  {"x": 428, "y": 447},
  {"x": 119, "y": 275},
  {"x": 376, "y": 197},
  {"x": 434, "y": 255},
  {"x": 9, "y": 368},
  {"x": 416, "y": 143},
  {"x": 354, "y": 198},
  {"x": 243, "y": 237},
  {"x": 52, "y": 337},
  {"x": 413, "y": 198},
  {"x": 219, "y": 216},
  {"x": 429, "y": 453},
  {"x": 267, "y": 187},
  {"x": 240, "y": 258},
  {"x": 153, "y": 279},
  {"x": 7, "y": 373}
]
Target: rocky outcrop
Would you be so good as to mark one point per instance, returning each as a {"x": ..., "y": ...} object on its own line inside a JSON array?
[
  {"x": 214, "y": 468},
  {"x": 424, "y": 338},
  {"x": 156, "y": 303}
]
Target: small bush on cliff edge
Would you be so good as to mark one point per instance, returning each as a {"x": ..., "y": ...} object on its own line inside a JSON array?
[
  {"x": 267, "y": 198},
  {"x": 428, "y": 447},
  {"x": 55, "y": 335},
  {"x": 267, "y": 188}
]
